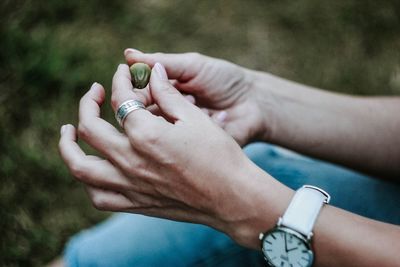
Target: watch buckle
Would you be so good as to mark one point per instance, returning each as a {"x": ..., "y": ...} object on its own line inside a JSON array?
[
  {"x": 279, "y": 223},
  {"x": 328, "y": 197}
]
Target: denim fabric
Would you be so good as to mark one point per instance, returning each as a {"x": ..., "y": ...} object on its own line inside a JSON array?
[
  {"x": 370, "y": 197},
  {"x": 135, "y": 240}
]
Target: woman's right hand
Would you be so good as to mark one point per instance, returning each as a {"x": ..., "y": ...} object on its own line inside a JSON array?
[{"x": 222, "y": 89}]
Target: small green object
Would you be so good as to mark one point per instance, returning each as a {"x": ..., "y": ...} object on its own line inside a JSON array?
[{"x": 140, "y": 73}]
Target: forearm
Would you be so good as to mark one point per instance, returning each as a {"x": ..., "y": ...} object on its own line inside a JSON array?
[
  {"x": 340, "y": 238},
  {"x": 359, "y": 132},
  {"x": 354, "y": 240}
]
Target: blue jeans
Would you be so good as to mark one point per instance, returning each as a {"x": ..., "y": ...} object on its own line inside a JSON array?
[{"x": 135, "y": 240}]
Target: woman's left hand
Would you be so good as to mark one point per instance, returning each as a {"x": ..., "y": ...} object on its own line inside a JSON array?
[{"x": 179, "y": 166}]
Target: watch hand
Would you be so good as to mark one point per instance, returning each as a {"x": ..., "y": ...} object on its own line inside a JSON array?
[
  {"x": 287, "y": 254},
  {"x": 291, "y": 249},
  {"x": 286, "y": 244}
]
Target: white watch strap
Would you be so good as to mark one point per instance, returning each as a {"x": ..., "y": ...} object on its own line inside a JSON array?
[{"x": 304, "y": 208}]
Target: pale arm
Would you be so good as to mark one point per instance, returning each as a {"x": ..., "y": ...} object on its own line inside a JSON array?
[
  {"x": 148, "y": 171},
  {"x": 362, "y": 133},
  {"x": 340, "y": 238}
]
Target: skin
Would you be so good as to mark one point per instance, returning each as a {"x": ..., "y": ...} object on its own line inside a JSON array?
[
  {"x": 358, "y": 132},
  {"x": 147, "y": 169}
]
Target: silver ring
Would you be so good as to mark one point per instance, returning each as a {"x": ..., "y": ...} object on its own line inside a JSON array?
[{"x": 125, "y": 108}]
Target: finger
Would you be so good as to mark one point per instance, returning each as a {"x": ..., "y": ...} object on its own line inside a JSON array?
[
  {"x": 155, "y": 110},
  {"x": 220, "y": 117},
  {"x": 131, "y": 201},
  {"x": 191, "y": 99},
  {"x": 88, "y": 169},
  {"x": 169, "y": 99},
  {"x": 103, "y": 199},
  {"x": 95, "y": 131},
  {"x": 174, "y": 82},
  {"x": 205, "y": 111},
  {"x": 139, "y": 123},
  {"x": 176, "y": 212},
  {"x": 69, "y": 149},
  {"x": 132, "y": 50},
  {"x": 122, "y": 89},
  {"x": 182, "y": 67}
]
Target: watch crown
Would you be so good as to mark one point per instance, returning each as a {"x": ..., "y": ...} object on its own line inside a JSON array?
[
  {"x": 310, "y": 235},
  {"x": 261, "y": 236}
]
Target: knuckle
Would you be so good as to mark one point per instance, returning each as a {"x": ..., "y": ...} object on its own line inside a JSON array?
[
  {"x": 136, "y": 137},
  {"x": 77, "y": 169},
  {"x": 82, "y": 101},
  {"x": 114, "y": 101},
  {"x": 152, "y": 138},
  {"x": 194, "y": 56},
  {"x": 131, "y": 169},
  {"x": 130, "y": 166},
  {"x": 83, "y": 130},
  {"x": 141, "y": 170},
  {"x": 99, "y": 202},
  {"x": 169, "y": 89},
  {"x": 150, "y": 202},
  {"x": 127, "y": 165},
  {"x": 146, "y": 138},
  {"x": 136, "y": 168},
  {"x": 61, "y": 144},
  {"x": 147, "y": 135},
  {"x": 158, "y": 55}
]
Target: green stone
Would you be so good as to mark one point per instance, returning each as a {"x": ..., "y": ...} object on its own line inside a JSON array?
[{"x": 140, "y": 73}]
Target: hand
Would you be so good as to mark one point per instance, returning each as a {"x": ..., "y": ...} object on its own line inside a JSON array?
[
  {"x": 181, "y": 166},
  {"x": 223, "y": 90}
]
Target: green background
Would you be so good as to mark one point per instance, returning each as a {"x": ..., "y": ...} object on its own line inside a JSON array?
[{"x": 51, "y": 51}]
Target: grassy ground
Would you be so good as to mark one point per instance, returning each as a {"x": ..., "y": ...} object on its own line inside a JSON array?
[{"x": 51, "y": 51}]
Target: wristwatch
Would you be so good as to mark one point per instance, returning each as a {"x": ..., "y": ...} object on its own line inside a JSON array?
[{"x": 288, "y": 244}]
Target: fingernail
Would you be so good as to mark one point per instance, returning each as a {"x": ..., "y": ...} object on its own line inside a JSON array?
[
  {"x": 205, "y": 111},
  {"x": 190, "y": 98},
  {"x": 62, "y": 130},
  {"x": 131, "y": 51},
  {"x": 221, "y": 116},
  {"x": 94, "y": 85},
  {"x": 160, "y": 71}
]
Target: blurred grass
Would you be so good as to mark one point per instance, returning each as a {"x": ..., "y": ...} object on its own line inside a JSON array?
[{"x": 51, "y": 51}]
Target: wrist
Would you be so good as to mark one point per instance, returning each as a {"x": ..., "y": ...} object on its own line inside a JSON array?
[
  {"x": 259, "y": 202},
  {"x": 268, "y": 102},
  {"x": 283, "y": 105}
]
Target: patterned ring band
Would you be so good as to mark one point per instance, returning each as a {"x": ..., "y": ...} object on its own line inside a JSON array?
[{"x": 125, "y": 108}]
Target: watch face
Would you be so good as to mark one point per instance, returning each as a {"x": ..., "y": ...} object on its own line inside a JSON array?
[{"x": 284, "y": 247}]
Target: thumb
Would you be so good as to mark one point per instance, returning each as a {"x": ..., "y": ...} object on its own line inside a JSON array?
[
  {"x": 182, "y": 67},
  {"x": 171, "y": 102}
]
